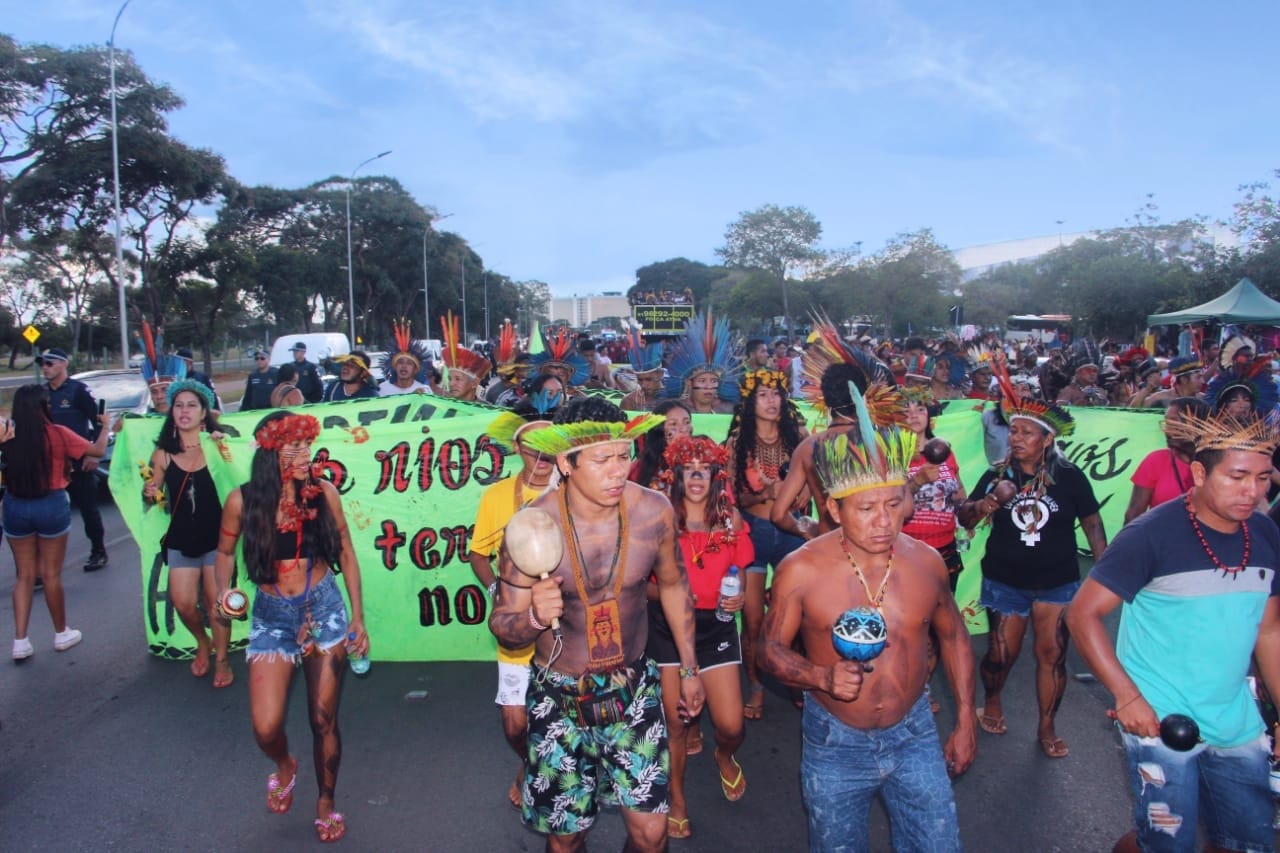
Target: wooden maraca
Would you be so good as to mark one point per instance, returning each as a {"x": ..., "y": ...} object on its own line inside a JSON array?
[
  {"x": 535, "y": 544},
  {"x": 1179, "y": 732},
  {"x": 1004, "y": 492},
  {"x": 936, "y": 451}
]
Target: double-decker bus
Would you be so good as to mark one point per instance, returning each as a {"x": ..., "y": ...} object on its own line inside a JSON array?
[{"x": 1035, "y": 328}]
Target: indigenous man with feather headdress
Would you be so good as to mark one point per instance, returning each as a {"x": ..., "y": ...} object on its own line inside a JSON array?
[{"x": 404, "y": 371}]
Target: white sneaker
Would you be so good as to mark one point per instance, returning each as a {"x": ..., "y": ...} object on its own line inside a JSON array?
[
  {"x": 22, "y": 649},
  {"x": 64, "y": 640}
]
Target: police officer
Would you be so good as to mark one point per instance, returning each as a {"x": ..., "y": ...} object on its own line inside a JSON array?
[
  {"x": 308, "y": 381},
  {"x": 261, "y": 382},
  {"x": 73, "y": 406}
]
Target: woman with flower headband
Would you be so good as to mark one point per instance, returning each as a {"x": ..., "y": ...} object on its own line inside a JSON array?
[
  {"x": 295, "y": 540},
  {"x": 764, "y": 432},
  {"x": 180, "y": 479},
  {"x": 648, "y": 464},
  {"x": 712, "y": 537},
  {"x": 1030, "y": 570}
]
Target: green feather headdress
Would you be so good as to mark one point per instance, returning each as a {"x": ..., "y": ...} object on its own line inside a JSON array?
[
  {"x": 567, "y": 438},
  {"x": 846, "y": 467}
]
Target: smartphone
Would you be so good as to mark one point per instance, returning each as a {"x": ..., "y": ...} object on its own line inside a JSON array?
[{"x": 102, "y": 407}]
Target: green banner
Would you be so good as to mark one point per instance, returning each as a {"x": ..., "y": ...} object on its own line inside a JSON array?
[{"x": 411, "y": 470}]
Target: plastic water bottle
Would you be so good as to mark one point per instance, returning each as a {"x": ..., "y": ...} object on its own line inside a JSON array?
[
  {"x": 359, "y": 663},
  {"x": 962, "y": 539},
  {"x": 730, "y": 586}
]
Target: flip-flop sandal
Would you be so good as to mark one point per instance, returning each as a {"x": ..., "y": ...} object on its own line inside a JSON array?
[
  {"x": 200, "y": 666},
  {"x": 734, "y": 790},
  {"x": 678, "y": 828},
  {"x": 1054, "y": 747},
  {"x": 992, "y": 725},
  {"x": 224, "y": 676},
  {"x": 280, "y": 796},
  {"x": 754, "y": 709},
  {"x": 331, "y": 828}
]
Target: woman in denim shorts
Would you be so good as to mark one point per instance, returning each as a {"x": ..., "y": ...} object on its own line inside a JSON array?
[
  {"x": 37, "y": 457},
  {"x": 295, "y": 540},
  {"x": 1030, "y": 570}
]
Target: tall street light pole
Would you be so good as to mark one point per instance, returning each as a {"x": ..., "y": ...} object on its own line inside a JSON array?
[
  {"x": 486, "y": 305},
  {"x": 351, "y": 279},
  {"x": 115, "y": 172},
  {"x": 426, "y": 297}
]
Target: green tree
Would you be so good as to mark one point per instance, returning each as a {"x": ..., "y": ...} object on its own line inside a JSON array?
[
  {"x": 777, "y": 240},
  {"x": 676, "y": 275}
]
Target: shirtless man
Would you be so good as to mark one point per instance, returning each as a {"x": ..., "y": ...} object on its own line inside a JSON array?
[
  {"x": 857, "y": 722},
  {"x": 596, "y": 692}
]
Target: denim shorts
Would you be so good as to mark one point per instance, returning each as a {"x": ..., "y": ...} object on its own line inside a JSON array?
[
  {"x": 1229, "y": 788},
  {"x": 273, "y": 632},
  {"x": 1013, "y": 601},
  {"x": 771, "y": 543},
  {"x": 842, "y": 769},
  {"x": 179, "y": 560},
  {"x": 48, "y": 517}
]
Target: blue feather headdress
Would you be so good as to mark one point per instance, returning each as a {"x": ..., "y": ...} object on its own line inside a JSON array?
[
  {"x": 705, "y": 348},
  {"x": 644, "y": 358}
]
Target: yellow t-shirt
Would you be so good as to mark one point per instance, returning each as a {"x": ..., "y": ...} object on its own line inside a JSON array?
[{"x": 497, "y": 505}]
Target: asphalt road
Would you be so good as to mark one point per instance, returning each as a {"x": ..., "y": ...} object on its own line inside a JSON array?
[{"x": 106, "y": 748}]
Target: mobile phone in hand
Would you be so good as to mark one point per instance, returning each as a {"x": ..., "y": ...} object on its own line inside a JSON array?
[{"x": 102, "y": 407}]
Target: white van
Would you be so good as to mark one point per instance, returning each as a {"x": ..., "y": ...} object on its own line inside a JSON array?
[{"x": 320, "y": 346}]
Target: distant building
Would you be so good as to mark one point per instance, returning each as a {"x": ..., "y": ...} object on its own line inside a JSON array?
[{"x": 582, "y": 311}]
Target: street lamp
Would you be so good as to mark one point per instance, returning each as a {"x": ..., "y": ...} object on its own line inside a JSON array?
[
  {"x": 115, "y": 172},
  {"x": 351, "y": 281},
  {"x": 426, "y": 297}
]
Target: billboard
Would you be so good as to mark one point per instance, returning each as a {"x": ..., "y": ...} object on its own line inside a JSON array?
[{"x": 665, "y": 319}]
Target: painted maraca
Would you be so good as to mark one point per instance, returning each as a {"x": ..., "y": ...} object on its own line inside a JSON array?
[
  {"x": 860, "y": 634},
  {"x": 233, "y": 603},
  {"x": 535, "y": 544},
  {"x": 1004, "y": 492}
]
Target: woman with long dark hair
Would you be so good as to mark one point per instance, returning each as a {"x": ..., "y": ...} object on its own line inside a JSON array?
[
  {"x": 648, "y": 464},
  {"x": 37, "y": 456},
  {"x": 712, "y": 538},
  {"x": 763, "y": 434},
  {"x": 180, "y": 472},
  {"x": 295, "y": 540}
]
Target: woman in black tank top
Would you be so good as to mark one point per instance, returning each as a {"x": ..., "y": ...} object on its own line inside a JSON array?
[
  {"x": 180, "y": 479},
  {"x": 295, "y": 540}
]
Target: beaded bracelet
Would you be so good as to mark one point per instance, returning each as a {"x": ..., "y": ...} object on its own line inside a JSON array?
[
  {"x": 690, "y": 672},
  {"x": 533, "y": 620}
]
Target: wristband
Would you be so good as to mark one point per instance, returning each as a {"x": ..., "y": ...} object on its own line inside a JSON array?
[
  {"x": 533, "y": 620},
  {"x": 1119, "y": 708},
  {"x": 689, "y": 672}
]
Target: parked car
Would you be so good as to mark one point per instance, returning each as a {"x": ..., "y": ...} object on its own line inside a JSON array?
[{"x": 126, "y": 392}]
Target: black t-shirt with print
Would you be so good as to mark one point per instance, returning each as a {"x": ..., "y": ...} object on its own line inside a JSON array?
[{"x": 1033, "y": 541}]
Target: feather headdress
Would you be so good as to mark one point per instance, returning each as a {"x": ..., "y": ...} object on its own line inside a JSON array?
[
  {"x": 505, "y": 352},
  {"x": 155, "y": 366},
  {"x": 406, "y": 347},
  {"x": 1049, "y": 416},
  {"x": 559, "y": 351},
  {"x": 704, "y": 349},
  {"x": 569, "y": 437},
  {"x": 644, "y": 358},
  {"x": 533, "y": 412},
  {"x": 847, "y": 467},
  {"x": 980, "y": 356},
  {"x": 882, "y": 397},
  {"x": 457, "y": 356},
  {"x": 1255, "y": 434},
  {"x": 1233, "y": 347},
  {"x": 1255, "y": 380}
]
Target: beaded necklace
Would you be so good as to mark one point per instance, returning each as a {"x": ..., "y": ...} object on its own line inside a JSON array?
[
  {"x": 1204, "y": 543},
  {"x": 874, "y": 600},
  {"x": 580, "y": 577}
]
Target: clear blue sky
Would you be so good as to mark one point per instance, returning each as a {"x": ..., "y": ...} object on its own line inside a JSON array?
[{"x": 576, "y": 141}]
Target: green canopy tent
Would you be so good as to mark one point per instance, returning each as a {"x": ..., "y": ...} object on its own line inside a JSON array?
[{"x": 1243, "y": 303}]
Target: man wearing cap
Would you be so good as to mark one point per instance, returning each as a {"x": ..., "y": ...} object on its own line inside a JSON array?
[
  {"x": 189, "y": 357},
  {"x": 353, "y": 379},
  {"x": 308, "y": 378},
  {"x": 870, "y": 733},
  {"x": 261, "y": 382},
  {"x": 72, "y": 406},
  {"x": 1184, "y": 373},
  {"x": 1196, "y": 580},
  {"x": 596, "y": 722}
]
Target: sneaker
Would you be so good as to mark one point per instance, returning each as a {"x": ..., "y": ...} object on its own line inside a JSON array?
[
  {"x": 22, "y": 649},
  {"x": 64, "y": 640},
  {"x": 97, "y": 560}
]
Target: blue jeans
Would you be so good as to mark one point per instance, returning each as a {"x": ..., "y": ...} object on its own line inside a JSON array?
[
  {"x": 1229, "y": 788},
  {"x": 770, "y": 542},
  {"x": 842, "y": 769}
]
